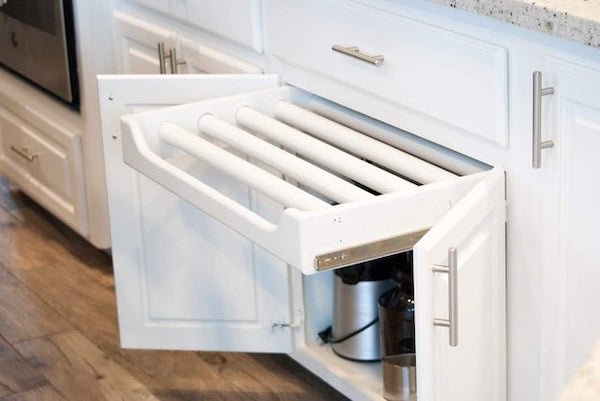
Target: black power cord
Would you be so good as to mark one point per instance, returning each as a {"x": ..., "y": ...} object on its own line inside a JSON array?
[{"x": 327, "y": 335}]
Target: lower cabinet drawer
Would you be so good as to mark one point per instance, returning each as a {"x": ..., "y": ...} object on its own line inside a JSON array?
[
  {"x": 423, "y": 70},
  {"x": 47, "y": 167}
]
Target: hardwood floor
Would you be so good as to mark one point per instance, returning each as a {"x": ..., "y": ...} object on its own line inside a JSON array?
[{"x": 59, "y": 334}]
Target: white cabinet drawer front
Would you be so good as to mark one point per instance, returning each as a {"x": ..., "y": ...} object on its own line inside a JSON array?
[
  {"x": 44, "y": 160},
  {"x": 43, "y": 167},
  {"x": 450, "y": 78},
  {"x": 238, "y": 20}
]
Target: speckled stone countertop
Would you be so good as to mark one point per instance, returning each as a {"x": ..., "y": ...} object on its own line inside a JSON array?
[
  {"x": 585, "y": 386},
  {"x": 577, "y": 20}
]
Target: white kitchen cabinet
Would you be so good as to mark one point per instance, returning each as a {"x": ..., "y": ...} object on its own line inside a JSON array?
[
  {"x": 46, "y": 164},
  {"x": 238, "y": 20},
  {"x": 41, "y": 156},
  {"x": 136, "y": 44},
  {"x": 199, "y": 58},
  {"x": 221, "y": 304},
  {"x": 463, "y": 83},
  {"x": 137, "y": 41},
  {"x": 406, "y": 87},
  {"x": 158, "y": 5},
  {"x": 571, "y": 170},
  {"x": 194, "y": 248}
]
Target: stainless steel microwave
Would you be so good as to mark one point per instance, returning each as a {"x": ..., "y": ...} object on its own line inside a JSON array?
[{"x": 37, "y": 41}]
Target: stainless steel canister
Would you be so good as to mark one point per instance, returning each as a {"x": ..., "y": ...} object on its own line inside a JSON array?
[
  {"x": 400, "y": 377},
  {"x": 355, "y": 308}
]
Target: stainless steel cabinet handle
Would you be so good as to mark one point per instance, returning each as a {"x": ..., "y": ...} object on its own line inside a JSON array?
[
  {"x": 162, "y": 59},
  {"x": 24, "y": 153},
  {"x": 452, "y": 321},
  {"x": 173, "y": 61},
  {"x": 162, "y": 65},
  {"x": 538, "y": 144},
  {"x": 354, "y": 51}
]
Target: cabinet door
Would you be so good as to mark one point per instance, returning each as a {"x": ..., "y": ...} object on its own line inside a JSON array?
[
  {"x": 201, "y": 59},
  {"x": 572, "y": 269},
  {"x": 475, "y": 368},
  {"x": 238, "y": 20},
  {"x": 184, "y": 280},
  {"x": 159, "y": 5},
  {"x": 136, "y": 43}
]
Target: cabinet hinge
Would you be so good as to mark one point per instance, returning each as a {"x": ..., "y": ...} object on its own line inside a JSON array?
[
  {"x": 291, "y": 325},
  {"x": 297, "y": 322}
]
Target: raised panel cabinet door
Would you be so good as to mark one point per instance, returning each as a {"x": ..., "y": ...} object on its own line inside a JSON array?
[
  {"x": 136, "y": 44},
  {"x": 466, "y": 361},
  {"x": 570, "y": 323},
  {"x": 201, "y": 59},
  {"x": 238, "y": 20},
  {"x": 159, "y": 5},
  {"x": 184, "y": 280}
]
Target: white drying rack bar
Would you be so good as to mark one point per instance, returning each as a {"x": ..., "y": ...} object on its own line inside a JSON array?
[
  {"x": 322, "y": 153},
  {"x": 412, "y": 144},
  {"x": 264, "y": 182},
  {"x": 308, "y": 174},
  {"x": 360, "y": 144}
]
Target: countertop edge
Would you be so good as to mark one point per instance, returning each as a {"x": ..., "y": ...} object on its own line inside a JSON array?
[{"x": 536, "y": 16}]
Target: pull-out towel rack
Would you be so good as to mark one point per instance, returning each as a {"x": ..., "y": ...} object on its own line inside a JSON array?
[{"x": 330, "y": 162}]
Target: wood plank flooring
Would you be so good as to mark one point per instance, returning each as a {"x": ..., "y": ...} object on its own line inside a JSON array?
[{"x": 59, "y": 335}]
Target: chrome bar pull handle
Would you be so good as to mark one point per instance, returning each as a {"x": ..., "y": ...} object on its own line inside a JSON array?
[
  {"x": 452, "y": 321},
  {"x": 173, "y": 61},
  {"x": 538, "y": 144},
  {"x": 162, "y": 65},
  {"x": 24, "y": 153},
  {"x": 355, "y": 52}
]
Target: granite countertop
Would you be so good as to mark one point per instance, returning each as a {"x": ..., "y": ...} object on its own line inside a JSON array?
[
  {"x": 585, "y": 386},
  {"x": 577, "y": 20}
]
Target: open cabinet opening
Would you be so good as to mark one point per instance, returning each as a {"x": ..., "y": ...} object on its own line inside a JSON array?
[
  {"x": 359, "y": 314},
  {"x": 264, "y": 197}
]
